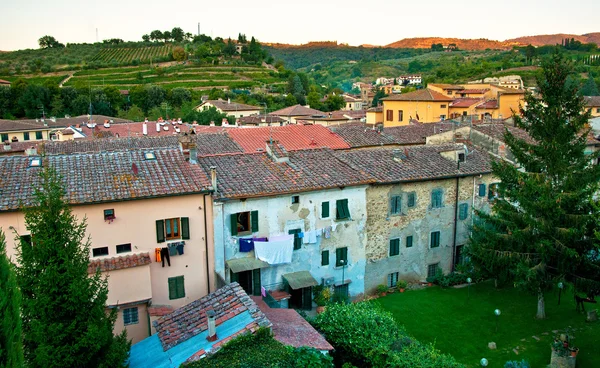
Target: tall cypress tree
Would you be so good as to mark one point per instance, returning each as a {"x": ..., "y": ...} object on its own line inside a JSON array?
[
  {"x": 65, "y": 323},
  {"x": 541, "y": 228},
  {"x": 11, "y": 346}
]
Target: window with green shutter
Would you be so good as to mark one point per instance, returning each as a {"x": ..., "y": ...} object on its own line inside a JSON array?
[
  {"x": 409, "y": 241},
  {"x": 463, "y": 211},
  {"x": 394, "y": 247},
  {"x": 25, "y": 136},
  {"x": 38, "y": 135},
  {"x": 325, "y": 258},
  {"x": 324, "y": 209},
  {"x": 185, "y": 228},
  {"x": 411, "y": 200},
  {"x": 341, "y": 257},
  {"x": 436, "y": 198},
  {"x": 254, "y": 220},
  {"x": 395, "y": 205},
  {"x": 160, "y": 231},
  {"x": 3, "y": 137},
  {"x": 341, "y": 208},
  {"x": 297, "y": 239},
  {"x": 435, "y": 239},
  {"x": 482, "y": 190},
  {"x": 243, "y": 223},
  {"x": 176, "y": 287}
]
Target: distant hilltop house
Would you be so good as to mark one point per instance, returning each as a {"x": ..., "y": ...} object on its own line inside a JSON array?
[
  {"x": 508, "y": 81},
  {"x": 409, "y": 79},
  {"x": 4, "y": 83},
  {"x": 592, "y": 104},
  {"x": 383, "y": 81},
  {"x": 237, "y": 110}
]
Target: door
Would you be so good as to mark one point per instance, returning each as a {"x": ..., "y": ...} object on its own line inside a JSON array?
[
  {"x": 244, "y": 278},
  {"x": 458, "y": 257},
  {"x": 301, "y": 298}
]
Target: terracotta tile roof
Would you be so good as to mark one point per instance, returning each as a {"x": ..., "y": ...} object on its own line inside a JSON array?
[
  {"x": 18, "y": 146},
  {"x": 418, "y": 133},
  {"x": 119, "y": 263},
  {"x": 215, "y": 144},
  {"x": 447, "y": 86},
  {"x": 2, "y": 81},
  {"x": 160, "y": 310},
  {"x": 421, "y": 163},
  {"x": 348, "y": 98},
  {"x": 497, "y": 131},
  {"x": 32, "y": 124},
  {"x": 473, "y": 91},
  {"x": 103, "y": 177},
  {"x": 109, "y": 144},
  {"x": 257, "y": 174},
  {"x": 352, "y": 114},
  {"x": 510, "y": 91},
  {"x": 260, "y": 119},
  {"x": 592, "y": 101},
  {"x": 130, "y": 130},
  {"x": 419, "y": 95},
  {"x": 289, "y": 328},
  {"x": 230, "y": 106},
  {"x": 465, "y": 102},
  {"x": 489, "y": 104},
  {"x": 376, "y": 109},
  {"x": 190, "y": 320},
  {"x": 362, "y": 136},
  {"x": 298, "y": 110},
  {"x": 292, "y": 137}
]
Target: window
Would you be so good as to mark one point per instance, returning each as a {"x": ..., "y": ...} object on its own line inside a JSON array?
[
  {"x": 341, "y": 257},
  {"x": 436, "y": 198},
  {"x": 295, "y": 199},
  {"x": 442, "y": 106},
  {"x": 461, "y": 157},
  {"x": 493, "y": 191},
  {"x": 411, "y": 199},
  {"x": 123, "y": 248},
  {"x": 325, "y": 258},
  {"x": 35, "y": 162},
  {"x": 434, "y": 239},
  {"x": 4, "y": 137},
  {"x": 109, "y": 214},
  {"x": 394, "y": 247},
  {"x": 97, "y": 252},
  {"x": 38, "y": 135},
  {"x": 176, "y": 287},
  {"x": 442, "y": 117},
  {"x": 25, "y": 136},
  {"x": 130, "y": 316},
  {"x": 432, "y": 270},
  {"x": 149, "y": 156},
  {"x": 463, "y": 211},
  {"x": 389, "y": 115},
  {"x": 449, "y": 93},
  {"x": 400, "y": 115},
  {"x": 395, "y": 205},
  {"x": 464, "y": 113},
  {"x": 174, "y": 228},
  {"x": 26, "y": 239},
  {"x": 409, "y": 240},
  {"x": 244, "y": 223},
  {"x": 297, "y": 239},
  {"x": 393, "y": 279},
  {"x": 324, "y": 209},
  {"x": 482, "y": 190},
  {"x": 342, "y": 290},
  {"x": 341, "y": 209},
  {"x": 598, "y": 110}
]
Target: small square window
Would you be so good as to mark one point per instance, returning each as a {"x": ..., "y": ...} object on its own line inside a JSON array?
[
  {"x": 295, "y": 199},
  {"x": 26, "y": 136},
  {"x": 123, "y": 248},
  {"x": 38, "y": 135},
  {"x": 432, "y": 270},
  {"x": 109, "y": 214},
  {"x": 149, "y": 156},
  {"x": 393, "y": 279},
  {"x": 98, "y": 252},
  {"x": 130, "y": 316},
  {"x": 461, "y": 157},
  {"x": 394, "y": 247},
  {"x": 35, "y": 162}
]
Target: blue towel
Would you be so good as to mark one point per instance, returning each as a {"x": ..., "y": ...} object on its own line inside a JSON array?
[
  {"x": 246, "y": 245},
  {"x": 180, "y": 248},
  {"x": 300, "y": 235}
]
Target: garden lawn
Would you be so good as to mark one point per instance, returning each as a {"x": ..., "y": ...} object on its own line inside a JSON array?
[{"x": 463, "y": 325}]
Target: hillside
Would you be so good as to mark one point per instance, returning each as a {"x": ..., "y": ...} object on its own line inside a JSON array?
[
  {"x": 463, "y": 44},
  {"x": 541, "y": 40}
]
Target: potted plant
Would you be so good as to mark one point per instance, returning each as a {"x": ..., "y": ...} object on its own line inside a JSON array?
[
  {"x": 382, "y": 290},
  {"x": 322, "y": 297},
  {"x": 574, "y": 351},
  {"x": 401, "y": 285}
]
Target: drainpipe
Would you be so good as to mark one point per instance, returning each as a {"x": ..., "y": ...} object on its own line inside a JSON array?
[
  {"x": 455, "y": 218},
  {"x": 206, "y": 247}
]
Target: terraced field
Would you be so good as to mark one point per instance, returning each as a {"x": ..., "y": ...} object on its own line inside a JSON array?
[
  {"x": 127, "y": 55},
  {"x": 189, "y": 76}
]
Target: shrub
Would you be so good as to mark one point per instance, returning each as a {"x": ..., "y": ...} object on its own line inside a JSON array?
[
  {"x": 381, "y": 288},
  {"x": 401, "y": 284},
  {"x": 516, "y": 364},
  {"x": 304, "y": 357}
]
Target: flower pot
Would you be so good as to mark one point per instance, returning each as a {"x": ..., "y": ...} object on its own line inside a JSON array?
[
  {"x": 574, "y": 352},
  {"x": 383, "y": 294},
  {"x": 401, "y": 290},
  {"x": 429, "y": 284}
]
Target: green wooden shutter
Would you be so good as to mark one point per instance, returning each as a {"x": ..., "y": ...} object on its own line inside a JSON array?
[
  {"x": 325, "y": 258},
  {"x": 185, "y": 228},
  {"x": 463, "y": 211},
  {"x": 180, "y": 287},
  {"x": 482, "y": 190},
  {"x": 342, "y": 211},
  {"x": 256, "y": 282},
  {"x": 409, "y": 241},
  {"x": 254, "y": 221},
  {"x": 396, "y": 205},
  {"x": 234, "y": 277},
  {"x": 435, "y": 239},
  {"x": 411, "y": 199},
  {"x": 341, "y": 254},
  {"x": 394, "y": 247},
  {"x": 233, "y": 221},
  {"x": 324, "y": 209},
  {"x": 172, "y": 287},
  {"x": 160, "y": 231}
]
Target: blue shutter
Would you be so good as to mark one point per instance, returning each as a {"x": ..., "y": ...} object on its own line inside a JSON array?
[
  {"x": 482, "y": 190},
  {"x": 463, "y": 211},
  {"x": 411, "y": 199},
  {"x": 409, "y": 241}
]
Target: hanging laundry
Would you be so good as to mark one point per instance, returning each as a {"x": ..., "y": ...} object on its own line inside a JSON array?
[
  {"x": 306, "y": 238},
  {"x": 264, "y": 239},
  {"x": 246, "y": 245},
  {"x": 263, "y": 292},
  {"x": 164, "y": 254},
  {"x": 157, "y": 254},
  {"x": 172, "y": 249},
  {"x": 312, "y": 237},
  {"x": 300, "y": 235},
  {"x": 180, "y": 248},
  {"x": 278, "y": 250},
  {"x": 327, "y": 232}
]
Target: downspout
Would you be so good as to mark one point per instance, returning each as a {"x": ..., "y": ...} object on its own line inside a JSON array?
[
  {"x": 206, "y": 246},
  {"x": 455, "y": 220}
]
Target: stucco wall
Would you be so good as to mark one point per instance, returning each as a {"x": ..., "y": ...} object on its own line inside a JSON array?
[
  {"x": 138, "y": 331},
  {"x": 428, "y": 111},
  {"x": 277, "y": 215},
  {"x": 418, "y": 222}
]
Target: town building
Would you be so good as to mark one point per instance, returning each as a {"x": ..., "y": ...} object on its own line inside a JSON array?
[
  {"x": 237, "y": 110},
  {"x": 4, "y": 83},
  {"x": 294, "y": 113},
  {"x": 352, "y": 103},
  {"x": 592, "y": 104},
  {"x": 411, "y": 80}
]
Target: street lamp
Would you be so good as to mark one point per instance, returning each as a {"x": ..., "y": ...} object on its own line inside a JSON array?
[
  {"x": 483, "y": 362},
  {"x": 497, "y": 313},
  {"x": 560, "y": 288},
  {"x": 469, "y": 280}
]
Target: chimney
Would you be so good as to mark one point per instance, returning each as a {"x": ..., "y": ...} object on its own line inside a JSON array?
[
  {"x": 225, "y": 122},
  {"x": 187, "y": 146},
  {"x": 7, "y": 145},
  {"x": 31, "y": 151},
  {"x": 398, "y": 155},
  {"x": 157, "y": 127},
  {"x": 277, "y": 152},
  {"x": 212, "y": 328},
  {"x": 145, "y": 128},
  {"x": 212, "y": 123},
  {"x": 213, "y": 177},
  {"x": 53, "y": 119}
]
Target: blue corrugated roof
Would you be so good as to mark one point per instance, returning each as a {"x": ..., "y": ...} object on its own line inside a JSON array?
[{"x": 149, "y": 352}]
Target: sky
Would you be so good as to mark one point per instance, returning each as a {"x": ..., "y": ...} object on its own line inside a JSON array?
[{"x": 350, "y": 21}]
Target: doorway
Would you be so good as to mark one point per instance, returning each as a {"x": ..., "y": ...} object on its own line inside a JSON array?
[{"x": 248, "y": 280}]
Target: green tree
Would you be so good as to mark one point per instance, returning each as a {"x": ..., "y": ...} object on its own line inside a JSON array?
[
  {"x": 49, "y": 42},
  {"x": 179, "y": 53},
  {"x": 178, "y": 96},
  {"x": 146, "y": 38},
  {"x": 379, "y": 94},
  {"x": 334, "y": 102},
  {"x": 314, "y": 100},
  {"x": 156, "y": 35},
  {"x": 590, "y": 88},
  {"x": 11, "y": 346},
  {"x": 541, "y": 227},
  {"x": 177, "y": 34},
  {"x": 60, "y": 299}
]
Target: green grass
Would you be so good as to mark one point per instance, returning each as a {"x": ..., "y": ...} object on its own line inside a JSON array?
[{"x": 463, "y": 326}]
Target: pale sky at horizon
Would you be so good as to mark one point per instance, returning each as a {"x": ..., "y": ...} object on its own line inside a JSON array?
[{"x": 350, "y": 21}]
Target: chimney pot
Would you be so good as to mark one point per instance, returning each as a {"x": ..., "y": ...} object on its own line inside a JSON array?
[
  {"x": 212, "y": 328},
  {"x": 213, "y": 177}
]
